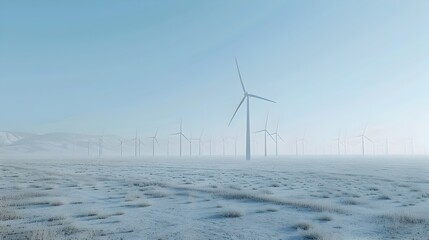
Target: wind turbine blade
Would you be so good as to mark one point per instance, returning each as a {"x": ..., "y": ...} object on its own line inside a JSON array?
[
  {"x": 259, "y": 131},
  {"x": 239, "y": 75},
  {"x": 368, "y": 139},
  {"x": 271, "y": 136},
  {"x": 364, "y": 130},
  {"x": 156, "y": 133},
  {"x": 239, "y": 105},
  {"x": 185, "y": 137},
  {"x": 266, "y": 99},
  {"x": 280, "y": 138},
  {"x": 175, "y": 133}
]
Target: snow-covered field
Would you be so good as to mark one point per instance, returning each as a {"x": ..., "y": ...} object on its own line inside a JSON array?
[{"x": 286, "y": 198}]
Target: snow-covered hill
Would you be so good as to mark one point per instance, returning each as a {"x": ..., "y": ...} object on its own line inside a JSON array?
[
  {"x": 66, "y": 144},
  {"x": 7, "y": 138}
]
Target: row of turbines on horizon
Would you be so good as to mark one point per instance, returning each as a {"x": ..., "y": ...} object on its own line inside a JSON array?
[{"x": 300, "y": 143}]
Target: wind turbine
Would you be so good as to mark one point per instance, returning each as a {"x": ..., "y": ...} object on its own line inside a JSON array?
[
  {"x": 277, "y": 137},
  {"x": 387, "y": 145},
  {"x": 154, "y": 139},
  {"x": 136, "y": 144},
  {"x": 246, "y": 97},
  {"x": 363, "y": 137},
  {"x": 199, "y": 142},
  {"x": 210, "y": 146},
  {"x": 338, "y": 140},
  {"x": 265, "y": 131},
  {"x": 302, "y": 140},
  {"x": 180, "y": 133},
  {"x": 140, "y": 145},
  {"x": 345, "y": 144},
  {"x": 122, "y": 142},
  {"x": 100, "y": 145}
]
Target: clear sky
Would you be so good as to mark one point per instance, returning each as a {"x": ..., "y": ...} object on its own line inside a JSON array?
[{"x": 113, "y": 66}]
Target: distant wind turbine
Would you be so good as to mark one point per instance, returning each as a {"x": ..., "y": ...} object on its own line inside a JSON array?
[
  {"x": 387, "y": 145},
  {"x": 210, "y": 145},
  {"x": 276, "y": 133},
  {"x": 338, "y": 140},
  {"x": 154, "y": 139},
  {"x": 302, "y": 141},
  {"x": 199, "y": 141},
  {"x": 265, "y": 131},
  {"x": 246, "y": 97},
  {"x": 136, "y": 144},
  {"x": 122, "y": 142},
  {"x": 180, "y": 133},
  {"x": 363, "y": 137},
  {"x": 100, "y": 145}
]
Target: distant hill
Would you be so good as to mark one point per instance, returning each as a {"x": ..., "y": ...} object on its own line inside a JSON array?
[{"x": 64, "y": 144}]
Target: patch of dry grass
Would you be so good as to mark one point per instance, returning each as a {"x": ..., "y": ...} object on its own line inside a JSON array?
[{"x": 230, "y": 213}]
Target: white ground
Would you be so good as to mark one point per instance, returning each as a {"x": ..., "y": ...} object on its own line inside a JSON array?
[{"x": 289, "y": 198}]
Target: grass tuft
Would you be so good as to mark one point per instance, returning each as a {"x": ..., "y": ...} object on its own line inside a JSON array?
[{"x": 230, "y": 214}]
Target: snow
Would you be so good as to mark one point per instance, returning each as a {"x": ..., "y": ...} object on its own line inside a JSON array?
[
  {"x": 59, "y": 144},
  {"x": 214, "y": 198},
  {"x": 8, "y": 138}
]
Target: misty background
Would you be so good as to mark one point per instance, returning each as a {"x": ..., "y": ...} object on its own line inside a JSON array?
[{"x": 113, "y": 67}]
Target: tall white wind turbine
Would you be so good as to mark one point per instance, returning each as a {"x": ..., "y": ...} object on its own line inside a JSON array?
[{"x": 246, "y": 97}]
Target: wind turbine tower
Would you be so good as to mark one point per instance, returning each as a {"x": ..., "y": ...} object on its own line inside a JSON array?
[{"x": 246, "y": 97}]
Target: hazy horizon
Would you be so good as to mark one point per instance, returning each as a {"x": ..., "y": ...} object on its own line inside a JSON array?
[{"x": 332, "y": 67}]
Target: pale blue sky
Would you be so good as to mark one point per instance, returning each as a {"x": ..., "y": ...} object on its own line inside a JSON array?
[{"x": 85, "y": 66}]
